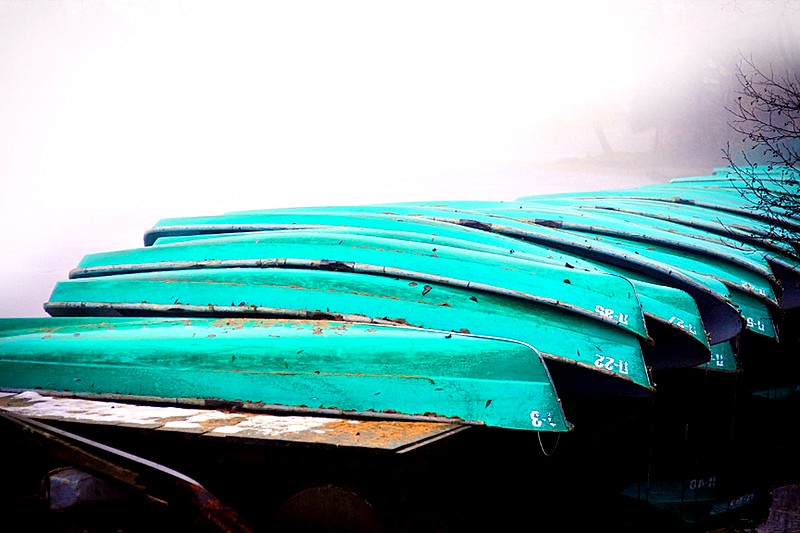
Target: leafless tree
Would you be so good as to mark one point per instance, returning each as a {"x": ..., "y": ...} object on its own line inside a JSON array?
[{"x": 766, "y": 116}]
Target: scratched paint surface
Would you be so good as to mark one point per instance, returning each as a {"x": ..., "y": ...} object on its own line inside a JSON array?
[
  {"x": 389, "y": 253},
  {"x": 555, "y": 333},
  {"x": 713, "y": 296},
  {"x": 667, "y": 305},
  {"x": 310, "y": 364},
  {"x": 722, "y": 358},
  {"x": 642, "y": 229}
]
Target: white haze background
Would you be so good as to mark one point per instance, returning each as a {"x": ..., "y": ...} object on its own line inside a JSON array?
[{"x": 114, "y": 114}]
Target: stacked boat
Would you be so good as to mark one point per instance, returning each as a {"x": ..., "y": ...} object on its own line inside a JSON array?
[{"x": 502, "y": 314}]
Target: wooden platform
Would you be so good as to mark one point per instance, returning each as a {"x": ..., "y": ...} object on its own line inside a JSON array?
[{"x": 392, "y": 435}]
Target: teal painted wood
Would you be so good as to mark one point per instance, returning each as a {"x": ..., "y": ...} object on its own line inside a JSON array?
[
  {"x": 709, "y": 225},
  {"x": 678, "y": 335},
  {"x": 702, "y": 217},
  {"x": 749, "y": 190},
  {"x": 717, "y": 311},
  {"x": 778, "y": 261},
  {"x": 723, "y": 358},
  {"x": 758, "y": 318},
  {"x": 680, "y": 339},
  {"x": 674, "y": 194},
  {"x": 720, "y": 314},
  {"x": 599, "y": 356},
  {"x": 566, "y": 215},
  {"x": 170, "y": 231},
  {"x": 183, "y": 229},
  {"x": 720, "y": 196},
  {"x": 732, "y": 275},
  {"x": 391, "y": 254},
  {"x": 719, "y": 199},
  {"x": 688, "y": 314},
  {"x": 728, "y": 229},
  {"x": 749, "y": 297},
  {"x": 731, "y": 199},
  {"x": 478, "y": 243},
  {"x": 689, "y": 339},
  {"x": 675, "y": 324},
  {"x": 734, "y": 182},
  {"x": 642, "y": 229},
  {"x": 744, "y": 273},
  {"x": 376, "y": 370}
]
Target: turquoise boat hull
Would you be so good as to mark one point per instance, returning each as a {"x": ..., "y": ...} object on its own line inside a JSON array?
[
  {"x": 720, "y": 314},
  {"x": 651, "y": 315},
  {"x": 718, "y": 200},
  {"x": 678, "y": 333},
  {"x": 733, "y": 266},
  {"x": 703, "y": 219},
  {"x": 593, "y": 356},
  {"x": 389, "y": 254},
  {"x": 316, "y": 366},
  {"x": 643, "y": 229},
  {"x": 723, "y": 358},
  {"x": 737, "y": 235}
]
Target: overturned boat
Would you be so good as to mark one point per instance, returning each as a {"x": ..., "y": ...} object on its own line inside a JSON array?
[{"x": 539, "y": 335}]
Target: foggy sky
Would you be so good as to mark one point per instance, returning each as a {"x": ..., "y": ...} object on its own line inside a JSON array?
[{"x": 116, "y": 114}]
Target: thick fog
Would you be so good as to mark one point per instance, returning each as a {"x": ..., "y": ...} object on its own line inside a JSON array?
[{"x": 116, "y": 114}]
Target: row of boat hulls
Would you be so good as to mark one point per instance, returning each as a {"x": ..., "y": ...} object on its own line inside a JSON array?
[
  {"x": 722, "y": 196},
  {"x": 724, "y": 193},
  {"x": 733, "y": 231},
  {"x": 305, "y": 273},
  {"x": 664, "y": 308},
  {"x": 660, "y": 262},
  {"x": 93, "y": 286},
  {"x": 746, "y": 272},
  {"x": 602, "y": 287},
  {"x": 723, "y": 320},
  {"x": 753, "y": 294}
]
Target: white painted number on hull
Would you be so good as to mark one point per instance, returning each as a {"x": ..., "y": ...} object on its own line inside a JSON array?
[
  {"x": 537, "y": 419},
  {"x": 751, "y": 287},
  {"x": 718, "y": 359},
  {"x": 609, "y": 363},
  {"x": 611, "y": 314},
  {"x": 703, "y": 483},
  {"x": 683, "y": 325}
]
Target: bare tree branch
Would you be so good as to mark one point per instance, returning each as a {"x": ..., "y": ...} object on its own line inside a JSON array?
[{"x": 766, "y": 113}]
